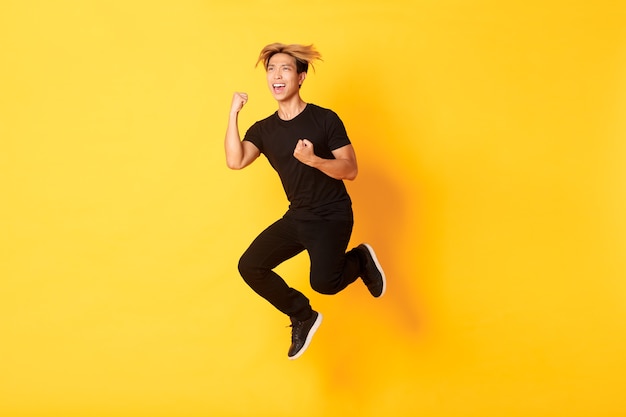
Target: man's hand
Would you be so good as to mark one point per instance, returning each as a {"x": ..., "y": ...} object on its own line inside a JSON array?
[
  {"x": 239, "y": 100},
  {"x": 304, "y": 152}
]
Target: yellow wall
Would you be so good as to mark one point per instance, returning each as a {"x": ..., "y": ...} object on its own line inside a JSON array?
[{"x": 491, "y": 139}]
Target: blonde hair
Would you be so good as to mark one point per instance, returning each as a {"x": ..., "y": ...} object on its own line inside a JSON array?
[{"x": 304, "y": 55}]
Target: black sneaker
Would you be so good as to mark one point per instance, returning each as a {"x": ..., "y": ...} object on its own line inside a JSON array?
[
  {"x": 372, "y": 274},
  {"x": 301, "y": 334}
]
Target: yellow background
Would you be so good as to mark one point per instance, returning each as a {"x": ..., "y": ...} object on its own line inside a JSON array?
[{"x": 491, "y": 139}]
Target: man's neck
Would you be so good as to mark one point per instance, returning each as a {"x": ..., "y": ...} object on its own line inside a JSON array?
[{"x": 289, "y": 110}]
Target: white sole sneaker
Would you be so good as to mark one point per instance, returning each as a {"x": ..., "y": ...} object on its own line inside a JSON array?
[
  {"x": 309, "y": 336},
  {"x": 380, "y": 268}
]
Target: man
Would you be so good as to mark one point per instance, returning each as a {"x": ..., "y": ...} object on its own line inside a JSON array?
[{"x": 309, "y": 148}]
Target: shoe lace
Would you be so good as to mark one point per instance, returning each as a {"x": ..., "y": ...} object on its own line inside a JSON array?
[{"x": 295, "y": 330}]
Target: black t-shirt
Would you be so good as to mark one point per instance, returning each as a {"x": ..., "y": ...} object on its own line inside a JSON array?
[{"x": 311, "y": 193}]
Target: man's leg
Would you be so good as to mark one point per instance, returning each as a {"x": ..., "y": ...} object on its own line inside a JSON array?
[
  {"x": 332, "y": 269},
  {"x": 273, "y": 246}
]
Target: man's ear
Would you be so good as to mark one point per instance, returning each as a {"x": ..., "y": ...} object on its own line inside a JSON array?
[{"x": 301, "y": 78}]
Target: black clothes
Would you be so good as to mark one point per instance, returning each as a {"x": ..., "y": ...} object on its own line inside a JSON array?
[
  {"x": 332, "y": 269},
  {"x": 311, "y": 193},
  {"x": 319, "y": 219}
]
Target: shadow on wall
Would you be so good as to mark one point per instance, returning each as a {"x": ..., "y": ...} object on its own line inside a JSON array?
[
  {"x": 379, "y": 201},
  {"x": 370, "y": 332},
  {"x": 381, "y": 218}
]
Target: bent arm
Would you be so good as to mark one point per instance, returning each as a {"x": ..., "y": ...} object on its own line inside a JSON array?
[
  {"x": 239, "y": 154},
  {"x": 343, "y": 167}
]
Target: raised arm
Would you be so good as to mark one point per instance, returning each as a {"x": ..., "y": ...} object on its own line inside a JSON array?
[{"x": 239, "y": 154}]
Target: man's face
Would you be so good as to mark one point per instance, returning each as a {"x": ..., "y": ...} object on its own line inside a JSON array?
[{"x": 282, "y": 77}]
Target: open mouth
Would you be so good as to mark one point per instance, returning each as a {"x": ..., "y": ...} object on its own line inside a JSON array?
[{"x": 278, "y": 87}]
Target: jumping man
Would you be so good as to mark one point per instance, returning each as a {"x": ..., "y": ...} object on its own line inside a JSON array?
[{"x": 309, "y": 148}]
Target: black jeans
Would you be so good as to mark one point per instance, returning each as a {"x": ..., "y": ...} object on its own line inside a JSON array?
[{"x": 332, "y": 269}]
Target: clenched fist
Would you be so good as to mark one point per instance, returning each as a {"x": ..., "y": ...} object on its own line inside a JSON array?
[
  {"x": 304, "y": 151},
  {"x": 239, "y": 100}
]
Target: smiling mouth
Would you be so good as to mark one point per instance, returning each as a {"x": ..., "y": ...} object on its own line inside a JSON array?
[{"x": 278, "y": 85}]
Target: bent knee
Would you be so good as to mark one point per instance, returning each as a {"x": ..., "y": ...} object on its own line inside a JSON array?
[
  {"x": 245, "y": 267},
  {"x": 324, "y": 287}
]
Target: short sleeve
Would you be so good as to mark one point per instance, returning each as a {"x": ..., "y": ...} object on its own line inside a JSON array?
[
  {"x": 253, "y": 135},
  {"x": 337, "y": 135}
]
